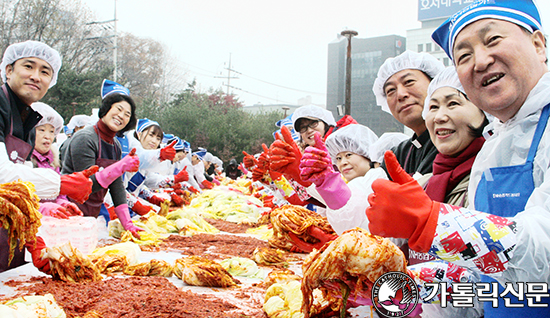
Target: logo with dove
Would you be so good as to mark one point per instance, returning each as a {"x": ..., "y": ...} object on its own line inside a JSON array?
[{"x": 395, "y": 294}]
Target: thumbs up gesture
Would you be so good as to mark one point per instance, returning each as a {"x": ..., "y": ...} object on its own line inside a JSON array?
[
  {"x": 168, "y": 152},
  {"x": 316, "y": 163},
  {"x": 285, "y": 156}
]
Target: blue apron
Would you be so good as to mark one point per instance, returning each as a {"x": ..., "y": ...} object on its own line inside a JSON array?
[{"x": 504, "y": 191}]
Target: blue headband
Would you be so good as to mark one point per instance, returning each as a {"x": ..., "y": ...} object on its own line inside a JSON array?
[
  {"x": 145, "y": 123},
  {"x": 186, "y": 146},
  {"x": 110, "y": 87},
  {"x": 521, "y": 12}
]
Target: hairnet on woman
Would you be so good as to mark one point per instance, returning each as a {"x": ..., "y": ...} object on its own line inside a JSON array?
[{"x": 348, "y": 148}]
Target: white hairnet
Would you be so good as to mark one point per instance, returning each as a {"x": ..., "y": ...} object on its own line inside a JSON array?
[
  {"x": 312, "y": 111},
  {"x": 208, "y": 157},
  {"x": 386, "y": 142},
  {"x": 49, "y": 116},
  {"x": 447, "y": 78},
  {"x": 77, "y": 121},
  {"x": 407, "y": 60},
  {"x": 36, "y": 49},
  {"x": 354, "y": 138}
]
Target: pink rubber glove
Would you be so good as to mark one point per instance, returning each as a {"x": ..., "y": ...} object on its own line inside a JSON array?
[
  {"x": 316, "y": 167},
  {"x": 72, "y": 208},
  {"x": 216, "y": 181},
  {"x": 54, "y": 210},
  {"x": 124, "y": 216},
  {"x": 129, "y": 163}
]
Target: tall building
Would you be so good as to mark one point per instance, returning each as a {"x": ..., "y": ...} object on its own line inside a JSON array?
[
  {"x": 367, "y": 55},
  {"x": 432, "y": 14}
]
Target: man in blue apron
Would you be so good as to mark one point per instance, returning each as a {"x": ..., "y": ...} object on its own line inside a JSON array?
[
  {"x": 499, "y": 51},
  {"x": 28, "y": 70}
]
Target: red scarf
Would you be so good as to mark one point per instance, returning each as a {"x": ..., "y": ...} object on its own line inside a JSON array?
[
  {"x": 105, "y": 132},
  {"x": 449, "y": 171}
]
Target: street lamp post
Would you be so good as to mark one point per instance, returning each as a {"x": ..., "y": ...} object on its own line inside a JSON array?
[{"x": 348, "y": 34}]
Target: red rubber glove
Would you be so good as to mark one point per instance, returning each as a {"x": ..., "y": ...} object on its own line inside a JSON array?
[
  {"x": 285, "y": 156},
  {"x": 176, "y": 199},
  {"x": 315, "y": 232},
  {"x": 36, "y": 248},
  {"x": 168, "y": 152},
  {"x": 130, "y": 163},
  {"x": 54, "y": 210},
  {"x": 192, "y": 189},
  {"x": 262, "y": 166},
  {"x": 177, "y": 186},
  {"x": 78, "y": 185},
  {"x": 316, "y": 163},
  {"x": 401, "y": 209},
  {"x": 71, "y": 208},
  {"x": 141, "y": 208},
  {"x": 207, "y": 184},
  {"x": 156, "y": 200},
  {"x": 181, "y": 176},
  {"x": 249, "y": 160}
]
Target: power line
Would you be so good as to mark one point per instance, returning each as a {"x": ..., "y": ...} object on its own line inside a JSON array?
[
  {"x": 244, "y": 91},
  {"x": 294, "y": 89}
]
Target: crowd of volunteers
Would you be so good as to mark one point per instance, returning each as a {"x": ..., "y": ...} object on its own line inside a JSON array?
[{"x": 468, "y": 190}]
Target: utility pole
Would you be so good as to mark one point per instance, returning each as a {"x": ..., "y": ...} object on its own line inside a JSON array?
[
  {"x": 229, "y": 77},
  {"x": 348, "y": 34},
  {"x": 115, "y": 71},
  {"x": 114, "y": 36}
]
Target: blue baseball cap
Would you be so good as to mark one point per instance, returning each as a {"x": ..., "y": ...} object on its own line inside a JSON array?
[
  {"x": 110, "y": 87},
  {"x": 521, "y": 12}
]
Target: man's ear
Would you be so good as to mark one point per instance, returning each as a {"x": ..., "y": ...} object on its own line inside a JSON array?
[
  {"x": 9, "y": 70},
  {"x": 539, "y": 41}
]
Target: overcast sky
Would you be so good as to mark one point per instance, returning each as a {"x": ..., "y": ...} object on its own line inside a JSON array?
[{"x": 279, "y": 47}]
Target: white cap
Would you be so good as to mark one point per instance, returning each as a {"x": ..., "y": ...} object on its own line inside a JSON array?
[
  {"x": 354, "y": 138},
  {"x": 49, "y": 116},
  {"x": 313, "y": 112},
  {"x": 36, "y": 49},
  {"x": 447, "y": 78},
  {"x": 407, "y": 60},
  {"x": 386, "y": 142}
]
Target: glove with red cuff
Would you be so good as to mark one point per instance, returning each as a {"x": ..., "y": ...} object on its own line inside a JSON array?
[
  {"x": 300, "y": 245},
  {"x": 401, "y": 208},
  {"x": 177, "y": 200},
  {"x": 249, "y": 161},
  {"x": 141, "y": 208},
  {"x": 183, "y": 175},
  {"x": 285, "y": 156},
  {"x": 207, "y": 184},
  {"x": 78, "y": 185},
  {"x": 192, "y": 189},
  {"x": 168, "y": 152},
  {"x": 156, "y": 200},
  {"x": 36, "y": 248}
]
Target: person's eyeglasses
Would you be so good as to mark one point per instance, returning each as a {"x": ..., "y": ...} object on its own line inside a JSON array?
[{"x": 312, "y": 124}]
